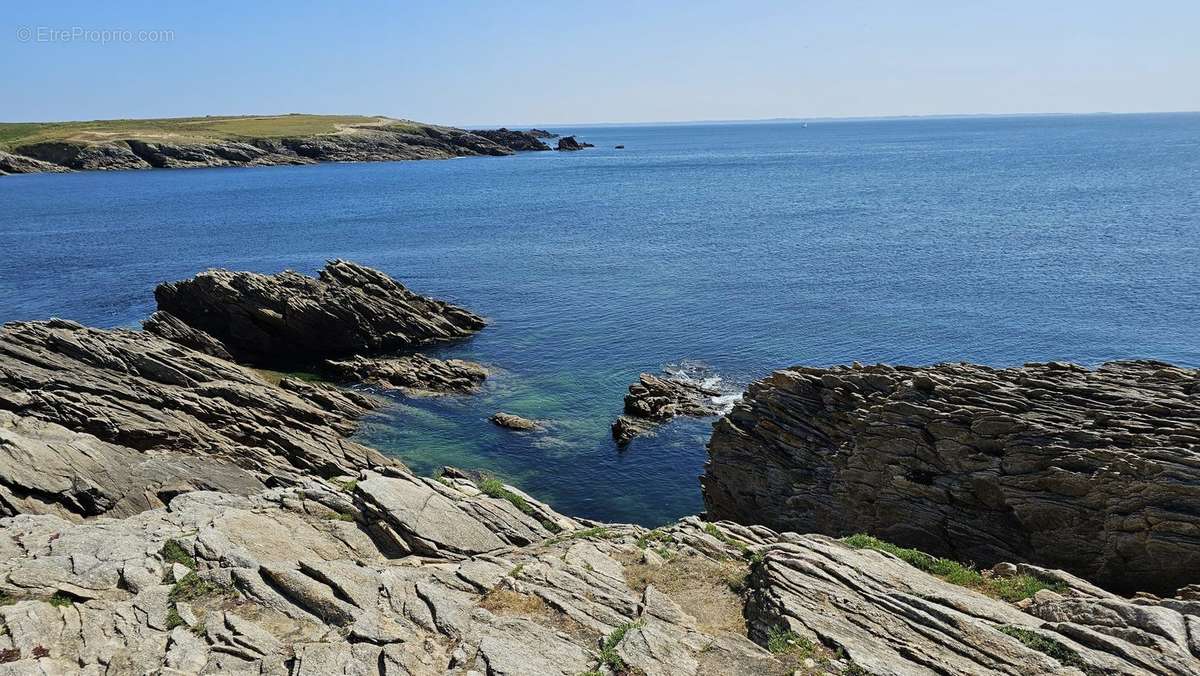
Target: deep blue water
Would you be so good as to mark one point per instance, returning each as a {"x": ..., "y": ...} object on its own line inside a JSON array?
[{"x": 747, "y": 247}]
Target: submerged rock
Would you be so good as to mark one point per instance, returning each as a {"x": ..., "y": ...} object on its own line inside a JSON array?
[
  {"x": 415, "y": 374},
  {"x": 514, "y": 422},
  {"x": 654, "y": 400},
  {"x": 290, "y": 319},
  {"x": 1096, "y": 472}
]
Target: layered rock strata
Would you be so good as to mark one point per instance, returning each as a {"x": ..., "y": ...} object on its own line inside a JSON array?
[
  {"x": 1093, "y": 471},
  {"x": 290, "y": 319},
  {"x": 654, "y": 400},
  {"x": 95, "y": 421},
  {"x": 392, "y": 574},
  {"x": 413, "y": 374},
  {"x": 512, "y": 139}
]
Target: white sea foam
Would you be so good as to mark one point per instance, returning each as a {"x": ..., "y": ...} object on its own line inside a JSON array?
[{"x": 700, "y": 373}]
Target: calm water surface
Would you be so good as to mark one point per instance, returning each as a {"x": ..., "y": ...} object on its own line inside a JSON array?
[{"x": 742, "y": 247}]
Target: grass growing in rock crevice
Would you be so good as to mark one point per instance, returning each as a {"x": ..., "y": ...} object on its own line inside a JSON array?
[
  {"x": 1011, "y": 589},
  {"x": 608, "y": 649},
  {"x": 193, "y": 587},
  {"x": 1048, "y": 646},
  {"x": 173, "y": 552},
  {"x": 493, "y": 487}
]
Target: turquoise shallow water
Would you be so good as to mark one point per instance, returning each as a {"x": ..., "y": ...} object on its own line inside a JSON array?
[{"x": 744, "y": 247}]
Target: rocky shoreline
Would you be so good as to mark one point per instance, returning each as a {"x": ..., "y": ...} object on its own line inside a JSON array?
[
  {"x": 169, "y": 509},
  {"x": 353, "y": 144}
]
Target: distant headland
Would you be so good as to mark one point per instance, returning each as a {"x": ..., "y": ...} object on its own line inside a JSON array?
[{"x": 241, "y": 141}]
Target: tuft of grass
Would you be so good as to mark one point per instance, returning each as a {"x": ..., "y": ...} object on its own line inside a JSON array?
[
  {"x": 345, "y": 486},
  {"x": 340, "y": 516},
  {"x": 655, "y": 536},
  {"x": 1048, "y": 646},
  {"x": 174, "y": 619},
  {"x": 193, "y": 587},
  {"x": 1011, "y": 589},
  {"x": 516, "y": 571},
  {"x": 493, "y": 487},
  {"x": 60, "y": 599},
  {"x": 7, "y": 599},
  {"x": 608, "y": 649},
  {"x": 173, "y": 552},
  {"x": 781, "y": 640}
]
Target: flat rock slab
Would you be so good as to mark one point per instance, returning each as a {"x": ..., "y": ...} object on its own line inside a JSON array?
[{"x": 413, "y": 374}]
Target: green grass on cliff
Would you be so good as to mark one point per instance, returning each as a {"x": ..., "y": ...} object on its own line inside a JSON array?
[
  {"x": 1011, "y": 589},
  {"x": 191, "y": 129}
]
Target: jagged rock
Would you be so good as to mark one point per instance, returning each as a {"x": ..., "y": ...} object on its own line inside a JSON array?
[
  {"x": 290, "y": 319},
  {"x": 120, "y": 420},
  {"x": 542, "y": 133},
  {"x": 888, "y": 620},
  {"x": 570, "y": 143},
  {"x": 1096, "y": 472},
  {"x": 513, "y": 139},
  {"x": 654, "y": 400},
  {"x": 17, "y": 164},
  {"x": 514, "y": 422},
  {"x": 167, "y": 325},
  {"x": 416, "y": 374}
]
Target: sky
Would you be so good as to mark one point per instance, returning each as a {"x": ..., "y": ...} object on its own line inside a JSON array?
[{"x": 474, "y": 63}]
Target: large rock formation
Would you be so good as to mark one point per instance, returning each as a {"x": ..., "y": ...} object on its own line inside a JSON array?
[
  {"x": 513, "y": 139},
  {"x": 289, "y": 319},
  {"x": 654, "y": 400},
  {"x": 571, "y": 143},
  {"x": 1097, "y": 472},
  {"x": 95, "y": 421}
]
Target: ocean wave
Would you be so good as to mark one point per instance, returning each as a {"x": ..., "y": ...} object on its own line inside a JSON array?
[{"x": 700, "y": 373}]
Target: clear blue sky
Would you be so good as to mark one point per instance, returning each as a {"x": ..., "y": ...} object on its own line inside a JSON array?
[{"x": 462, "y": 62}]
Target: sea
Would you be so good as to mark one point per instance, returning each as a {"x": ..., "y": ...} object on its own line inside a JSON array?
[{"x": 718, "y": 252}]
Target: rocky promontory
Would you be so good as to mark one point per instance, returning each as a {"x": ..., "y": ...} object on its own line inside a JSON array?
[
  {"x": 571, "y": 143},
  {"x": 244, "y": 142},
  {"x": 1093, "y": 471},
  {"x": 291, "y": 319}
]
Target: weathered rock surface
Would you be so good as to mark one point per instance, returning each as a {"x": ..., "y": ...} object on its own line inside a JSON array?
[
  {"x": 18, "y": 164},
  {"x": 514, "y": 422},
  {"x": 571, "y": 143},
  {"x": 888, "y": 620},
  {"x": 654, "y": 400},
  {"x": 290, "y": 319},
  {"x": 1096, "y": 472},
  {"x": 512, "y": 139},
  {"x": 542, "y": 133},
  {"x": 414, "y": 374},
  {"x": 355, "y": 144},
  {"x": 306, "y": 580},
  {"x": 101, "y": 421}
]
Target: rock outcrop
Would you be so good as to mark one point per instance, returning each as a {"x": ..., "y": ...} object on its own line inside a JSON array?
[
  {"x": 654, "y": 400},
  {"x": 414, "y": 374},
  {"x": 95, "y": 422},
  {"x": 393, "y": 574},
  {"x": 514, "y": 422},
  {"x": 542, "y": 133},
  {"x": 521, "y": 141},
  {"x": 1093, "y": 471},
  {"x": 571, "y": 143},
  {"x": 290, "y": 319},
  {"x": 408, "y": 141}
]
